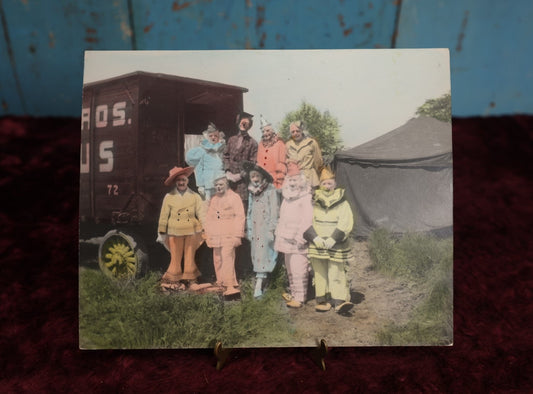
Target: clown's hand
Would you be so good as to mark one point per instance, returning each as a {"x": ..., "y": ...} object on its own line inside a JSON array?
[
  {"x": 319, "y": 242},
  {"x": 201, "y": 191},
  {"x": 161, "y": 238},
  {"x": 233, "y": 177},
  {"x": 329, "y": 242},
  {"x": 301, "y": 245},
  {"x": 230, "y": 176}
]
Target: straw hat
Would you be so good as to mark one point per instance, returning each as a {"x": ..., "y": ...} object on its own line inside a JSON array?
[{"x": 177, "y": 171}]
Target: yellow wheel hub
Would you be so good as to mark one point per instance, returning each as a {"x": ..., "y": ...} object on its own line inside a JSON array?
[{"x": 117, "y": 257}]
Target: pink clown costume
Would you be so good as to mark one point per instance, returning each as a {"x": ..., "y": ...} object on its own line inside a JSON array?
[{"x": 296, "y": 216}]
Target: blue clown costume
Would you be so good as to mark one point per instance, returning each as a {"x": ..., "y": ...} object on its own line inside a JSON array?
[
  {"x": 261, "y": 222},
  {"x": 207, "y": 161}
]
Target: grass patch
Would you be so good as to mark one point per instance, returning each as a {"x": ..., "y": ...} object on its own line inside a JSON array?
[
  {"x": 412, "y": 256},
  {"x": 135, "y": 314},
  {"x": 427, "y": 261}
]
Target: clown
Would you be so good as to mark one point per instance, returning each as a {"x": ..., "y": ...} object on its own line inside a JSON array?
[
  {"x": 271, "y": 153},
  {"x": 305, "y": 151},
  {"x": 261, "y": 221},
  {"x": 241, "y": 147},
  {"x": 180, "y": 230},
  {"x": 207, "y": 160},
  {"x": 329, "y": 250},
  {"x": 296, "y": 216},
  {"x": 223, "y": 232}
]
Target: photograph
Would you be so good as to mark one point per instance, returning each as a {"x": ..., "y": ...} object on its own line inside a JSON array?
[{"x": 266, "y": 198}]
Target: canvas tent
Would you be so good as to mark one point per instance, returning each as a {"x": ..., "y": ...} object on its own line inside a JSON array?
[{"x": 402, "y": 180}]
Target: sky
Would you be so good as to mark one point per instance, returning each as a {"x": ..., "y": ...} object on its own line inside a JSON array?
[{"x": 369, "y": 91}]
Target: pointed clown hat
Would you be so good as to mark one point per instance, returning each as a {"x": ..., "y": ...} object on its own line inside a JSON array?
[
  {"x": 293, "y": 168},
  {"x": 326, "y": 174},
  {"x": 264, "y": 123},
  {"x": 176, "y": 172},
  {"x": 211, "y": 128}
]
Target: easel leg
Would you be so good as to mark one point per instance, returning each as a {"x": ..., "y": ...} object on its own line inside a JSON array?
[
  {"x": 221, "y": 354},
  {"x": 319, "y": 354}
]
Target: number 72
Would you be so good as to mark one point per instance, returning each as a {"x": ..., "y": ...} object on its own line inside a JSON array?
[{"x": 112, "y": 190}]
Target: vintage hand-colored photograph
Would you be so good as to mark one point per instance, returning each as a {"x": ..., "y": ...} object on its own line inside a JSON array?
[{"x": 266, "y": 198}]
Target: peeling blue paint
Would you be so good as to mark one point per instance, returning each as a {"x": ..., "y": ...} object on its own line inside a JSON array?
[
  {"x": 490, "y": 50},
  {"x": 51, "y": 75},
  {"x": 43, "y": 42}
]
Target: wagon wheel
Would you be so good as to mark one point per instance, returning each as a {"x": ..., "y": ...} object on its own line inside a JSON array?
[{"x": 120, "y": 257}]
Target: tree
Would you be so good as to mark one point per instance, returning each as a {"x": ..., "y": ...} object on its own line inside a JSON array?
[
  {"x": 323, "y": 127},
  {"x": 439, "y": 108}
]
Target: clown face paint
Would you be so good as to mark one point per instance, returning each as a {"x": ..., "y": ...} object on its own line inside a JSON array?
[
  {"x": 296, "y": 133},
  {"x": 328, "y": 185},
  {"x": 256, "y": 178},
  {"x": 213, "y": 137},
  {"x": 181, "y": 183},
  {"x": 221, "y": 185}
]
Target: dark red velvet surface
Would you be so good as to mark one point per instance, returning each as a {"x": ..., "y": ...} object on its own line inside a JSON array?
[{"x": 493, "y": 285}]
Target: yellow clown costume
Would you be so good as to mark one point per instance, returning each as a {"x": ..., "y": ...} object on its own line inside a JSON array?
[
  {"x": 329, "y": 246},
  {"x": 180, "y": 231}
]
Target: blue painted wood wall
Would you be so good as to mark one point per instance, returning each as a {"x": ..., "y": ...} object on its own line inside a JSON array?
[{"x": 42, "y": 42}]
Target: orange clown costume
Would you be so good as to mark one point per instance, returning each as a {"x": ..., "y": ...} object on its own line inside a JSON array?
[
  {"x": 180, "y": 230},
  {"x": 329, "y": 249},
  {"x": 271, "y": 153},
  {"x": 223, "y": 232}
]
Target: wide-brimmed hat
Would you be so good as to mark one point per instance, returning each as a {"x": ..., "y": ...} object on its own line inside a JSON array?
[
  {"x": 326, "y": 174},
  {"x": 249, "y": 167},
  {"x": 176, "y": 172}
]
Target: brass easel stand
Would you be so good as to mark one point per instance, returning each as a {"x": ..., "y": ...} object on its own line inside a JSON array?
[
  {"x": 319, "y": 354},
  {"x": 221, "y": 354}
]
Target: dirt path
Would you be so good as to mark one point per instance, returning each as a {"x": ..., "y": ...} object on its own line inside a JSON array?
[{"x": 378, "y": 300}]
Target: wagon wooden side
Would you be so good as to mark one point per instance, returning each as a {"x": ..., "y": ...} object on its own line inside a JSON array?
[{"x": 133, "y": 130}]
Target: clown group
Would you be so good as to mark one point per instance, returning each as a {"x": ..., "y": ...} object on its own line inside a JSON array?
[{"x": 278, "y": 197}]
